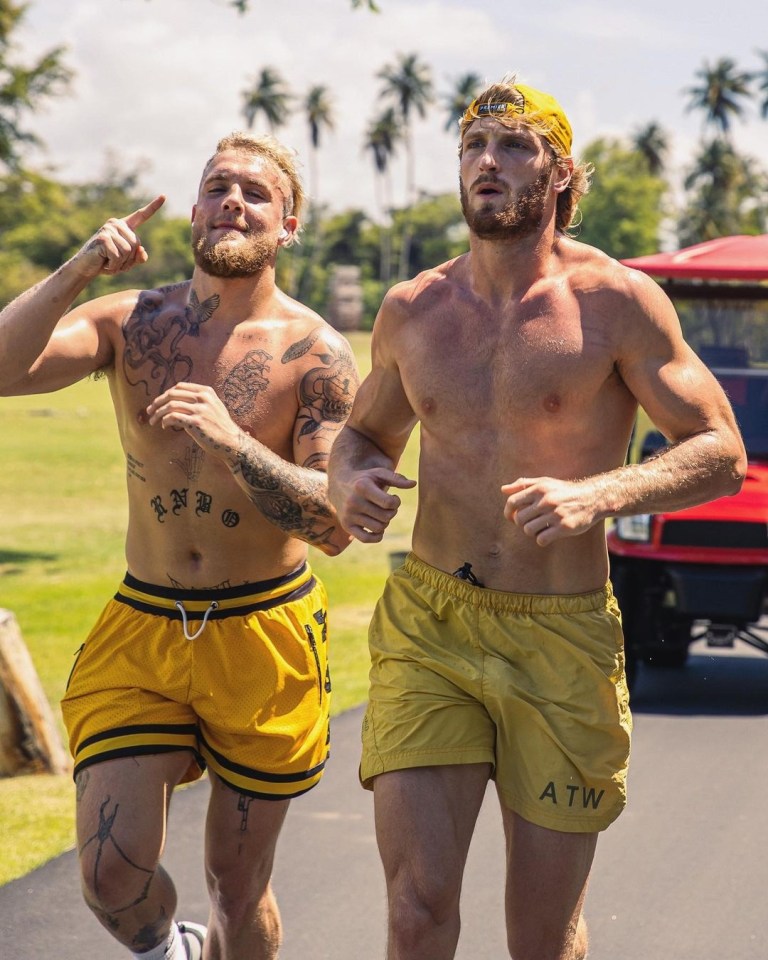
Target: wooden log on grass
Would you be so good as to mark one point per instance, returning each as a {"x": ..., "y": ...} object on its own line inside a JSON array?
[{"x": 29, "y": 738}]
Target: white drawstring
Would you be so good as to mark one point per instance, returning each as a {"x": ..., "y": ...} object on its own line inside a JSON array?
[{"x": 212, "y": 606}]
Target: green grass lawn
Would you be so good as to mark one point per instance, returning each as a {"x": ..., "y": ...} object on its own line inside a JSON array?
[{"x": 62, "y": 491}]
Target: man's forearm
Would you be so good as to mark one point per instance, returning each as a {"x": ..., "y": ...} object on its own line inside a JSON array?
[
  {"x": 293, "y": 498},
  {"x": 353, "y": 451},
  {"x": 699, "y": 468}
]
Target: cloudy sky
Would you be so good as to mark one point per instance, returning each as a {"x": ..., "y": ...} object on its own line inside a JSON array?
[{"x": 159, "y": 81}]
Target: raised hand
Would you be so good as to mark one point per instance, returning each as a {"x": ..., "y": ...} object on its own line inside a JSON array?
[{"x": 115, "y": 247}]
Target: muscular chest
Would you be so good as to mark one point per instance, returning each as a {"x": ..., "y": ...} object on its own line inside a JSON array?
[
  {"x": 511, "y": 369},
  {"x": 175, "y": 344}
]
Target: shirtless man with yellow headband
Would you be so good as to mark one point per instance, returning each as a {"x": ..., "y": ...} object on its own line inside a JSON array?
[
  {"x": 497, "y": 650},
  {"x": 213, "y": 652}
]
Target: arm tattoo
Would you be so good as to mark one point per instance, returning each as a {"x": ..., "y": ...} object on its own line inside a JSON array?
[
  {"x": 326, "y": 393},
  {"x": 295, "y": 496},
  {"x": 292, "y": 497},
  {"x": 152, "y": 336}
]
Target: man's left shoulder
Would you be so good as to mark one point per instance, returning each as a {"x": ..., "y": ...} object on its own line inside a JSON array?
[
  {"x": 310, "y": 343},
  {"x": 592, "y": 271}
]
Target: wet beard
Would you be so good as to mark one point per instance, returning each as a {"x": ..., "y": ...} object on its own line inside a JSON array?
[
  {"x": 245, "y": 258},
  {"x": 520, "y": 218}
]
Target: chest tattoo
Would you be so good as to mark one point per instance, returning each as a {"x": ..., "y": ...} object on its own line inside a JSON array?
[
  {"x": 245, "y": 381},
  {"x": 153, "y": 335}
]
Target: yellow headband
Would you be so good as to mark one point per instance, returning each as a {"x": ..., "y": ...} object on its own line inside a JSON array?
[{"x": 541, "y": 107}]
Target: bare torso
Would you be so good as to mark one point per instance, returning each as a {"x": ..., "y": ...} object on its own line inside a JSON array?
[
  {"x": 190, "y": 524},
  {"x": 524, "y": 389}
]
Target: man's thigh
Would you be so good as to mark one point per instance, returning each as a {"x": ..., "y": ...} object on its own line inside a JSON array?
[
  {"x": 241, "y": 837},
  {"x": 425, "y": 818},
  {"x": 547, "y": 874},
  {"x": 122, "y": 808}
]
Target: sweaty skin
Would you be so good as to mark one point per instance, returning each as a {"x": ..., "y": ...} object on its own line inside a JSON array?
[
  {"x": 227, "y": 393},
  {"x": 524, "y": 362}
]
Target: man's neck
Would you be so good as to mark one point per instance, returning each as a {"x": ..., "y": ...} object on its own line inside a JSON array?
[
  {"x": 507, "y": 268},
  {"x": 238, "y": 297}
]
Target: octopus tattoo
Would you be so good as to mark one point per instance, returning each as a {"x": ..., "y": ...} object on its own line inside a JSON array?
[{"x": 153, "y": 335}]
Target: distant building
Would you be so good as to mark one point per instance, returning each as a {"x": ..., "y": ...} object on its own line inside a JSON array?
[{"x": 345, "y": 298}]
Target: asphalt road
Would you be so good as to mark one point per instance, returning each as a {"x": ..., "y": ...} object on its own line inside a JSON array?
[{"x": 682, "y": 875}]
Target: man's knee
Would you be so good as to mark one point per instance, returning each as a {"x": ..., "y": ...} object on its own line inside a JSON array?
[
  {"x": 418, "y": 908},
  {"x": 238, "y": 893},
  {"x": 535, "y": 944},
  {"x": 112, "y": 880}
]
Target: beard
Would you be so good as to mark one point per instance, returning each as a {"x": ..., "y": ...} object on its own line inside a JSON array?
[
  {"x": 245, "y": 258},
  {"x": 521, "y": 217}
]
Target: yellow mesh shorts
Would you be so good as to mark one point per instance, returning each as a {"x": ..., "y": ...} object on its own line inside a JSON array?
[
  {"x": 533, "y": 685},
  {"x": 239, "y": 676}
]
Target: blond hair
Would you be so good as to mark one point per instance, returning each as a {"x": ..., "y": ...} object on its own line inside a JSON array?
[{"x": 278, "y": 154}]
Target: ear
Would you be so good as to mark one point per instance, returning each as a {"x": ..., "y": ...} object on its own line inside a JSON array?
[
  {"x": 288, "y": 233},
  {"x": 563, "y": 174},
  {"x": 194, "y": 211}
]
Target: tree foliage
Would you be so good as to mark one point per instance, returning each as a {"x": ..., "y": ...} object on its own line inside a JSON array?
[
  {"x": 623, "y": 212},
  {"x": 23, "y": 88},
  {"x": 269, "y": 96},
  {"x": 44, "y": 222},
  {"x": 720, "y": 93},
  {"x": 726, "y": 193}
]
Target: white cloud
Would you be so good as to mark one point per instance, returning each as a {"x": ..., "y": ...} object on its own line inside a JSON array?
[{"x": 161, "y": 80}]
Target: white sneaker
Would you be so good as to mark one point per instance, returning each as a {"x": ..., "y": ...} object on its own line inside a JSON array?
[{"x": 193, "y": 937}]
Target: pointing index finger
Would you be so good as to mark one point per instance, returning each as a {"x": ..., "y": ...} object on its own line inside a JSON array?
[{"x": 140, "y": 216}]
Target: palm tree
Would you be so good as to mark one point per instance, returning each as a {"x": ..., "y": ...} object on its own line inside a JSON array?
[
  {"x": 762, "y": 80},
  {"x": 719, "y": 93},
  {"x": 269, "y": 96},
  {"x": 381, "y": 139},
  {"x": 652, "y": 143},
  {"x": 319, "y": 114},
  {"x": 409, "y": 84},
  {"x": 722, "y": 186},
  {"x": 464, "y": 91}
]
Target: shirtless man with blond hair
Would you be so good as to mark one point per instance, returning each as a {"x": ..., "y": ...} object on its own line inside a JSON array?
[
  {"x": 496, "y": 649},
  {"x": 213, "y": 653}
]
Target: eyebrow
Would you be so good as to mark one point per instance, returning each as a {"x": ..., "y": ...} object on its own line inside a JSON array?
[{"x": 231, "y": 175}]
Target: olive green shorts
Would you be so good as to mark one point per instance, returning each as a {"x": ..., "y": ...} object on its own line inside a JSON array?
[{"x": 533, "y": 685}]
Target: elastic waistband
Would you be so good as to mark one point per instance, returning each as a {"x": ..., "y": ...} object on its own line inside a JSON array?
[
  {"x": 502, "y": 602},
  {"x": 227, "y": 601}
]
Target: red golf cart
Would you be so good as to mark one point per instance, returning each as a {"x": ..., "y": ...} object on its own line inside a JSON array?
[{"x": 703, "y": 572}]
